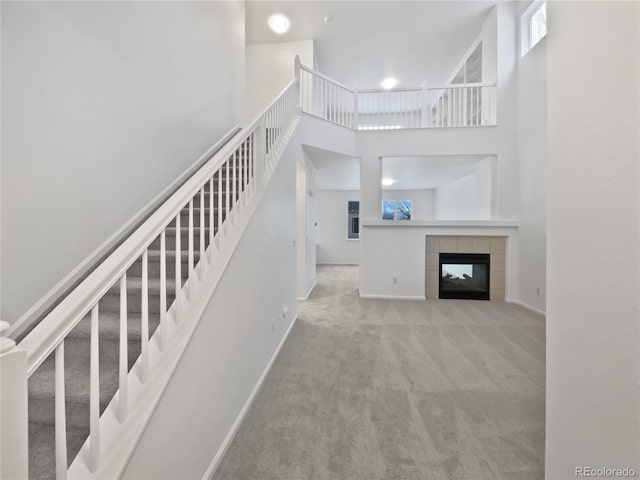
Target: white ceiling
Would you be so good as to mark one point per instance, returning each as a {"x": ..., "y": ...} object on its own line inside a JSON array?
[
  {"x": 368, "y": 40},
  {"x": 416, "y": 173},
  {"x": 334, "y": 171}
]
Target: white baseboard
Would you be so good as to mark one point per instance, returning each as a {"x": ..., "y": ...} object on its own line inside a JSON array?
[
  {"x": 393, "y": 297},
  {"x": 236, "y": 425},
  {"x": 527, "y": 306},
  {"x": 306, "y": 297}
]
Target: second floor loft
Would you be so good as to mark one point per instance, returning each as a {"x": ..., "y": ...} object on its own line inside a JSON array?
[{"x": 454, "y": 105}]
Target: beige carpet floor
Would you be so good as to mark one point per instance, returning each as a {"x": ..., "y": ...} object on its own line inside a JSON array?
[{"x": 398, "y": 390}]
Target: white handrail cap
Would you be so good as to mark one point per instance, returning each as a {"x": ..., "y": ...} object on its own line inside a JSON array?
[{"x": 6, "y": 344}]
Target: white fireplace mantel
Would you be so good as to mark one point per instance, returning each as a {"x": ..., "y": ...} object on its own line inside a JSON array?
[{"x": 439, "y": 223}]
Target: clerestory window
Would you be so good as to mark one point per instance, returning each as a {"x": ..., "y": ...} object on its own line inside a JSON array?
[{"x": 533, "y": 26}]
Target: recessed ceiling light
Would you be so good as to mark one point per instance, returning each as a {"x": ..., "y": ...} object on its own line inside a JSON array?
[
  {"x": 389, "y": 83},
  {"x": 388, "y": 181},
  {"x": 279, "y": 23}
]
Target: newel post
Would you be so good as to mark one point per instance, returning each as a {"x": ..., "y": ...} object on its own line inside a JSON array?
[
  {"x": 14, "y": 442},
  {"x": 425, "y": 105}
]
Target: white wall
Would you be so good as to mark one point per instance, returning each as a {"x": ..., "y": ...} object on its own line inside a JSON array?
[
  {"x": 103, "y": 105},
  {"x": 232, "y": 345},
  {"x": 332, "y": 216},
  {"x": 486, "y": 197},
  {"x": 506, "y": 61},
  {"x": 457, "y": 200},
  {"x": 269, "y": 68},
  {"x": 423, "y": 201},
  {"x": 468, "y": 198},
  {"x": 532, "y": 171},
  {"x": 489, "y": 39},
  {"x": 306, "y": 220},
  {"x": 593, "y": 237}
]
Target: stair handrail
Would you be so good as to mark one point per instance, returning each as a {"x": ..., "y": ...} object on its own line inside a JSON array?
[
  {"x": 243, "y": 166},
  {"x": 21, "y": 327},
  {"x": 41, "y": 342},
  {"x": 326, "y": 77}
]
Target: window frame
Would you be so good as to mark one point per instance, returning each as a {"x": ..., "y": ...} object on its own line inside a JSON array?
[
  {"x": 526, "y": 39},
  {"x": 395, "y": 210},
  {"x": 350, "y": 217}
]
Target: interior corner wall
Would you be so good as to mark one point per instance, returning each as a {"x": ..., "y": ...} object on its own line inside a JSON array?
[
  {"x": 233, "y": 343},
  {"x": 532, "y": 172},
  {"x": 456, "y": 200},
  {"x": 333, "y": 245},
  {"x": 489, "y": 38},
  {"x": 593, "y": 237},
  {"x": 269, "y": 68},
  {"x": 484, "y": 171},
  {"x": 103, "y": 105},
  {"x": 506, "y": 71}
]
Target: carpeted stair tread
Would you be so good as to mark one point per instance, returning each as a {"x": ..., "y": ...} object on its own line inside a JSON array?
[
  {"x": 135, "y": 284},
  {"x": 42, "y": 449},
  {"x": 184, "y": 229},
  {"x": 154, "y": 255},
  {"x": 78, "y": 344},
  {"x": 76, "y": 373},
  {"x": 109, "y": 326}
]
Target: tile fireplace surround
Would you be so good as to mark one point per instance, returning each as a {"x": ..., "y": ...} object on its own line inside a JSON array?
[{"x": 494, "y": 246}]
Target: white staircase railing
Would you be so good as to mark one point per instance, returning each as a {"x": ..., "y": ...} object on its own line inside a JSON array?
[
  {"x": 326, "y": 98},
  {"x": 460, "y": 105},
  {"x": 229, "y": 183}
]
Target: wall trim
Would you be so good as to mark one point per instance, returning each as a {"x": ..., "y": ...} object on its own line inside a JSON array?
[
  {"x": 338, "y": 263},
  {"x": 393, "y": 297},
  {"x": 306, "y": 297},
  {"x": 236, "y": 424},
  {"x": 526, "y": 306}
]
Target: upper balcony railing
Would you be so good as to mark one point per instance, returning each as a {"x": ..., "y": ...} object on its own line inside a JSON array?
[{"x": 460, "y": 105}]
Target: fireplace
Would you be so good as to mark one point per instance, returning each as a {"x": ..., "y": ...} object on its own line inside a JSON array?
[{"x": 464, "y": 275}]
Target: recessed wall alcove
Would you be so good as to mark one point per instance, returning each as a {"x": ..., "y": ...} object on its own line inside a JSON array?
[{"x": 494, "y": 246}]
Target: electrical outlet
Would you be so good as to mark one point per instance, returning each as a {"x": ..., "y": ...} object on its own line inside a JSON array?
[
  {"x": 537, "y": 290},
  {"x": 394, "y": 280},
  {"x": 285, "y": 310},
  {"x": 273, "y": 325}
]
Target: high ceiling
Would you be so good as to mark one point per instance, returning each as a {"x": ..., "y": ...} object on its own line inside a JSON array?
[{"x": 365, "y": 41}]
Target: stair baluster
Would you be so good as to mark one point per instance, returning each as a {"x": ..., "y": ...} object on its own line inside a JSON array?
[
  {"x": 123, "y": 366},
  {"x": 94, "y": 391},
  {"x": 60, "y": 415}
]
